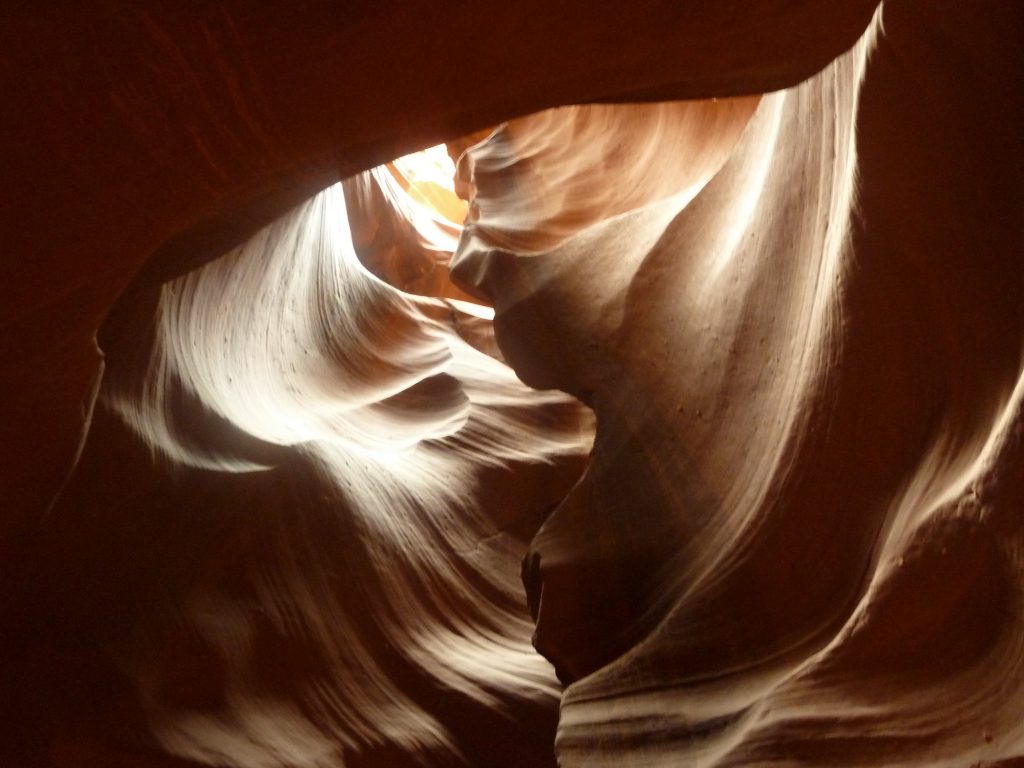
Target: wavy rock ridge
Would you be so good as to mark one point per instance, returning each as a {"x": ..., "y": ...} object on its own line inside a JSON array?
[{"x": 802, "y": 568}]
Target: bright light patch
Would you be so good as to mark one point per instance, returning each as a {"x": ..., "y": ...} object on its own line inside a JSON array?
[{"x": 428, "y": 177}]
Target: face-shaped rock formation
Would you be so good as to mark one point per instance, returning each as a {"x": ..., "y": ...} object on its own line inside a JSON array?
[{"x": 273, "y": 495}]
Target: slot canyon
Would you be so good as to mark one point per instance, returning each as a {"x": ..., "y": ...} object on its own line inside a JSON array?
[{"x": 512, "y": 385}]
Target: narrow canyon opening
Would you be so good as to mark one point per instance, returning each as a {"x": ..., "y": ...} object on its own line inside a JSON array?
[{"x": 679, "y": 424}]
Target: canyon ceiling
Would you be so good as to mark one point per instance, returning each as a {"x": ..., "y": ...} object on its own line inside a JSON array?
[{"x": 685, "y": 428}]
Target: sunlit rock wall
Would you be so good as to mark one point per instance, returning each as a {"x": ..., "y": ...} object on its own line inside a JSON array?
[
  {"x": 817, "y": 558},
  {"x": 370, "y": 482}
]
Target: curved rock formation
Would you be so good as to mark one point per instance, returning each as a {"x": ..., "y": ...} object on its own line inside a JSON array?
[
  {"x": 290, "y": 506},
  {"x": 807, "y": 564},
  {"x": 369, "y": 481}
]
